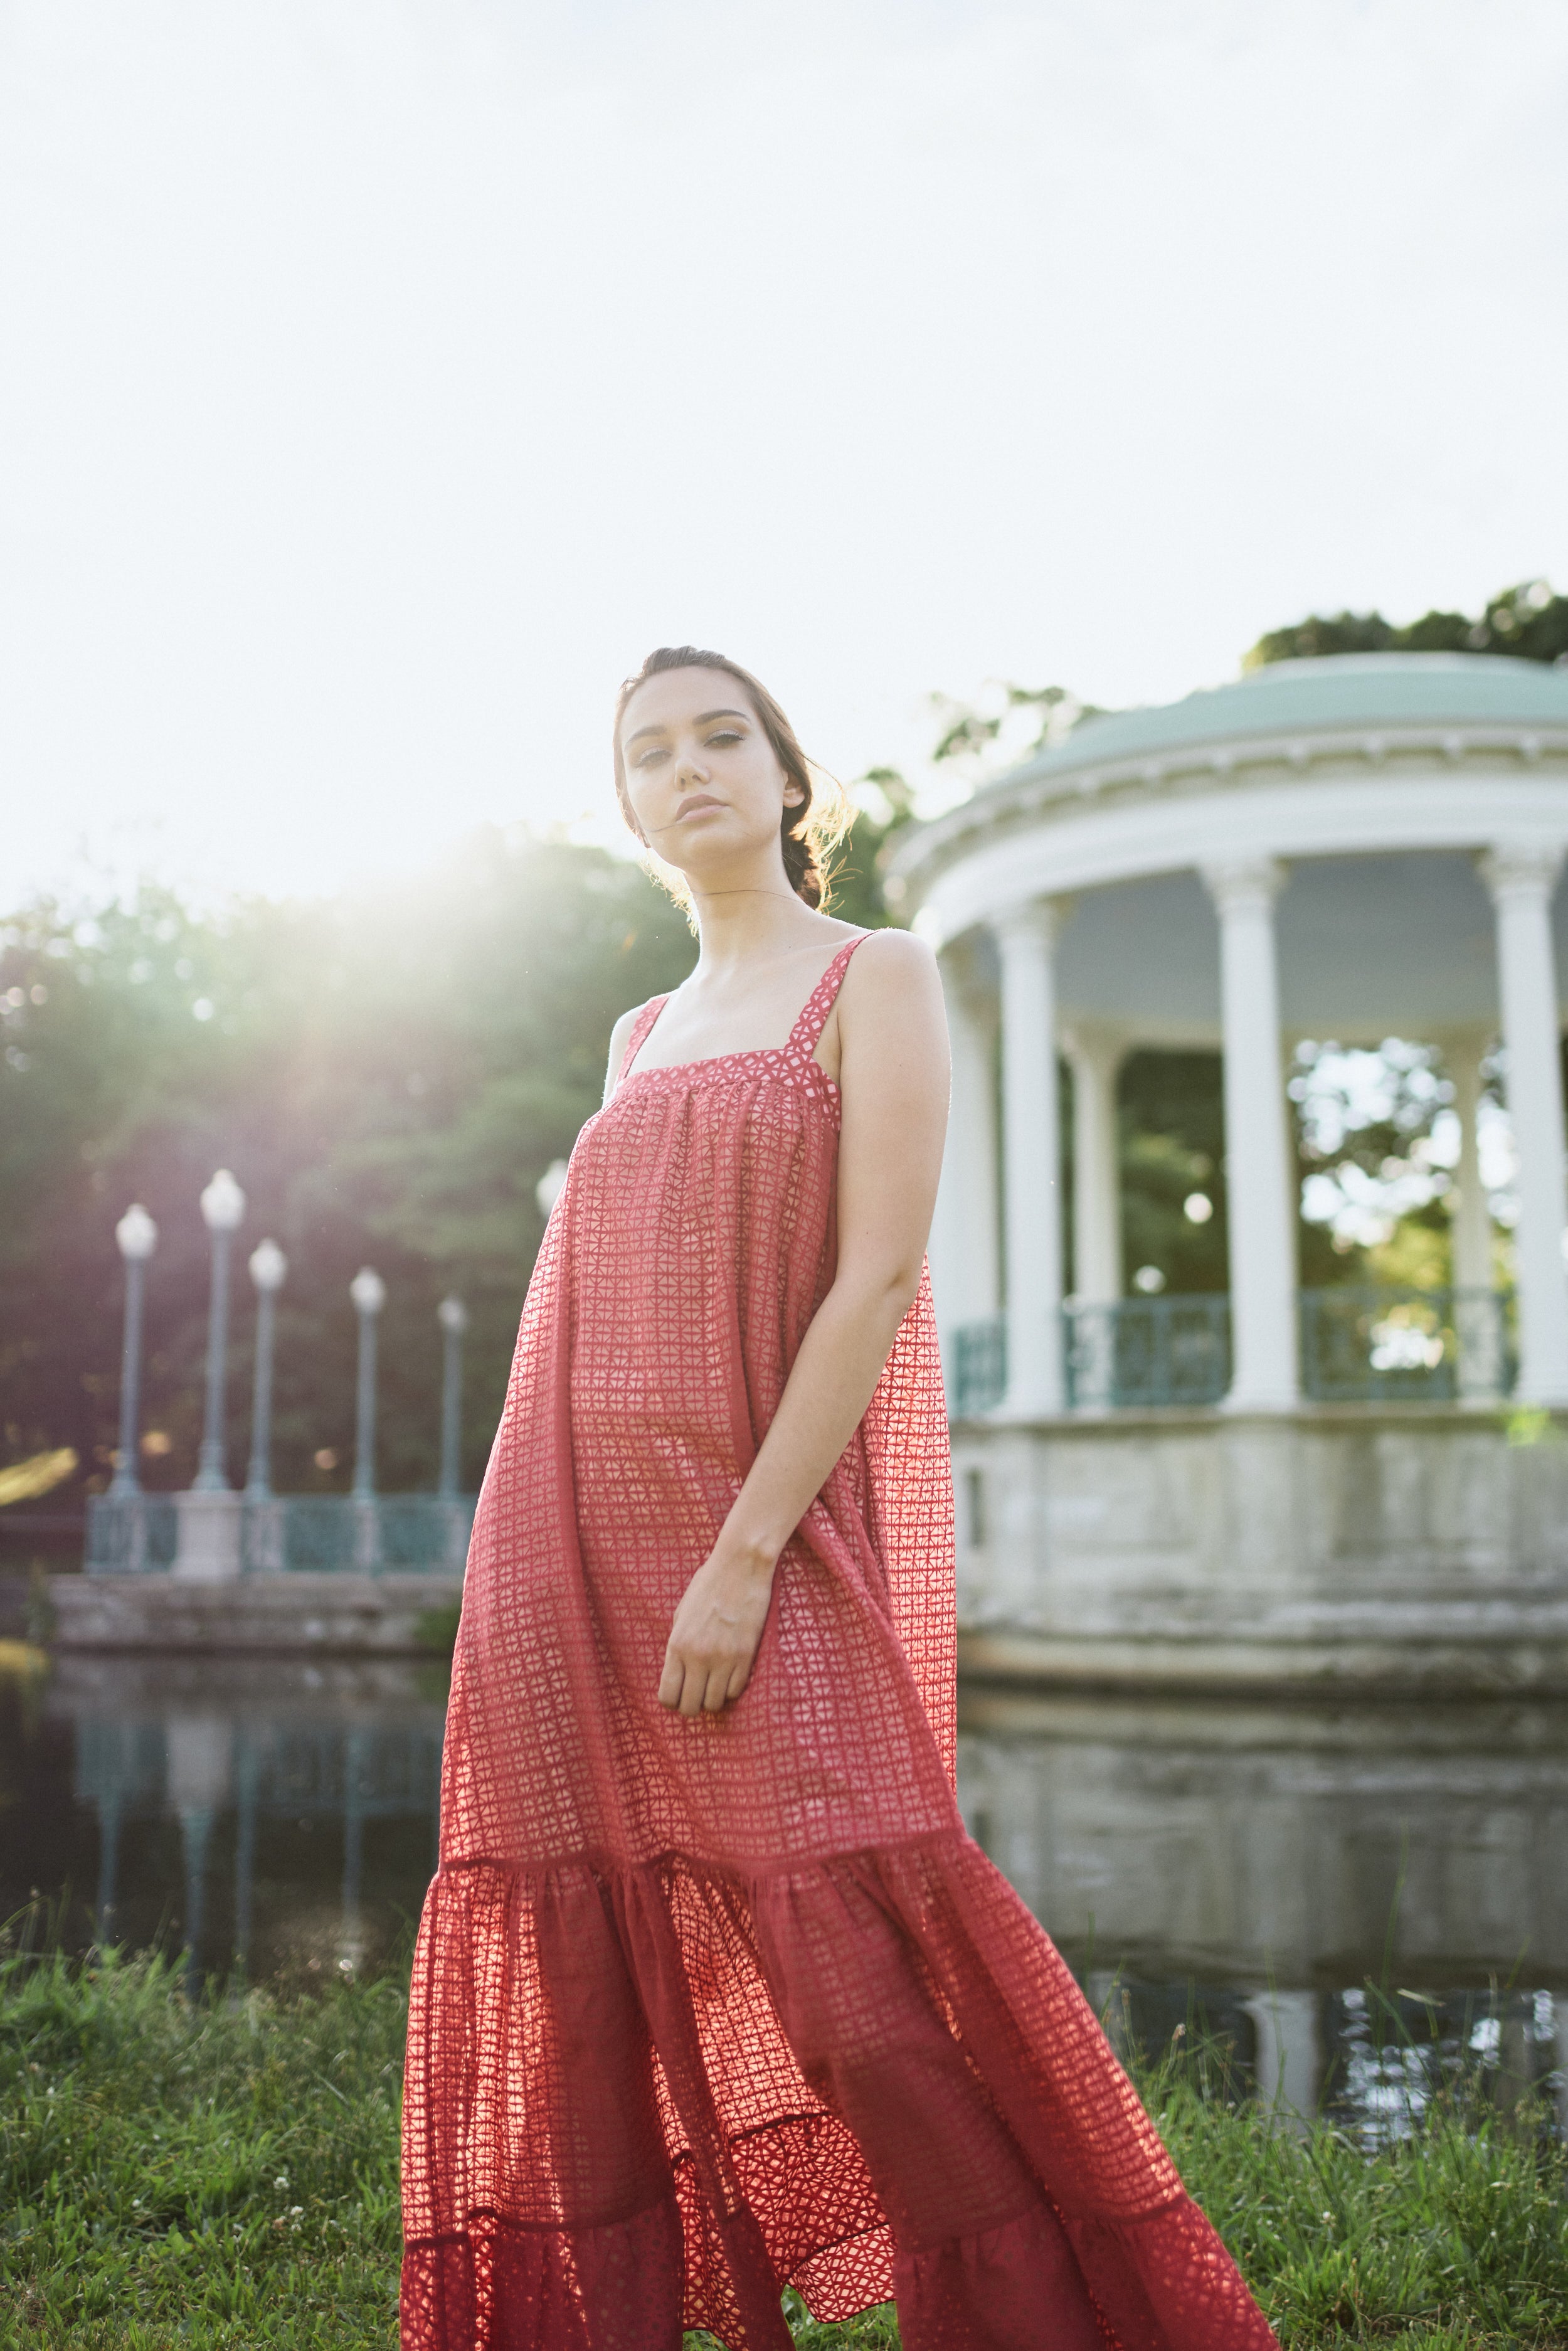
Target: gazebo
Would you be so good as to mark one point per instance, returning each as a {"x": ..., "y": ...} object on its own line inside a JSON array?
[{"x": 1343, "y": 849}]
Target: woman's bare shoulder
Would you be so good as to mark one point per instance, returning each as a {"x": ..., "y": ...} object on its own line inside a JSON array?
[
  {"x": 889, "y": 960},
  {"x": 892, "y": 942},
  {"x": 891, "y": 988}
]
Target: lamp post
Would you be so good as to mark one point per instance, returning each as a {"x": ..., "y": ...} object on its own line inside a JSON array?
[
  {"x": 136, "y": 1237},
  {"x": 369, "y": 1292},
  {"x": 453, "y": 1317},
  {"x": 223, "y": 1210},
  {"x": 268, "y": 1268}
]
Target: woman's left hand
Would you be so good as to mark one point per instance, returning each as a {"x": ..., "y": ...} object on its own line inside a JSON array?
[{"x": 719, "y": 1625}]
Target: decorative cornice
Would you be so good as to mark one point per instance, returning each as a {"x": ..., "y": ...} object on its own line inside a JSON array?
[
  {"x": 1235, "y": 883},
  {"x": 1520, "y": 869},
  {"x": 1016, "y": 803},
  {"x": 1033, "y": 921},
  {"x": 1099, "y": 1044}
]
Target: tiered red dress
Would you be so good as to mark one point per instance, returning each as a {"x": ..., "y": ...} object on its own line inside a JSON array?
[{"x": 704, "y": 2007}]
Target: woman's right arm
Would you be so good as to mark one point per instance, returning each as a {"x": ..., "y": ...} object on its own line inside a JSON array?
[{"x": 619, "y": 1037}]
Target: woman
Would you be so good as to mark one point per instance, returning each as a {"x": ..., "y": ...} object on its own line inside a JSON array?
[{"x": 713, "y": 1992}]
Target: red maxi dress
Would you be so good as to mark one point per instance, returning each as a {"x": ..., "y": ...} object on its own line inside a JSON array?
[{"x": 705, "y": 2007}]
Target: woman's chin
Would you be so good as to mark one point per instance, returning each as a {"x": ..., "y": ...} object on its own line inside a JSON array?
[{"x": 713, "y": 849}]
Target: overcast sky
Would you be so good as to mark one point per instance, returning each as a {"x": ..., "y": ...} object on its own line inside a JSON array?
[{"x": 379, "y": 378}]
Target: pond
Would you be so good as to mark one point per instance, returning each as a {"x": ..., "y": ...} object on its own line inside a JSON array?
[{"x": 1356, "y": 1900}]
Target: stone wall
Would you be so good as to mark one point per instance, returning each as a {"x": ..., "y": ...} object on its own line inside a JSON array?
[
  {"x": 1424, "y": 1548},
  {"x": 341, "y": 1614}
]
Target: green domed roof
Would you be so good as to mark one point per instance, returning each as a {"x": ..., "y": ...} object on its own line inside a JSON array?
[{"x": 1337, "y": 694}]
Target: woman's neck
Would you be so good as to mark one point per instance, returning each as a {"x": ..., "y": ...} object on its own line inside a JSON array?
[{"x": 745, "y": 921}]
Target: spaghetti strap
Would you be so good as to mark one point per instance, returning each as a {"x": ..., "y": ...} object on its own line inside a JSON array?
[
  {"x": 639, "y": 1037},
  {"x": 814, "y": 1013}
]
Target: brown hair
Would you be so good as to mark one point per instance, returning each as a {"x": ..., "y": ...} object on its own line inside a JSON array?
[{"x": 807, "y": 834}]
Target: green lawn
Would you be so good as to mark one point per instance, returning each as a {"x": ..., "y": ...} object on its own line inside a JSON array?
[{"x": 227, "y": 2175}]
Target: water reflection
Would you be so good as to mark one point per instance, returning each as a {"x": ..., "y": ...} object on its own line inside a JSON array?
[
  {"x": 275, "y": 1816},
  {"x": 1356, "y": 1900}
]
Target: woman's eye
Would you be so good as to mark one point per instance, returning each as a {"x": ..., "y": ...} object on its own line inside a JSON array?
[
  {"x": 646, "y": 758},
  {"x": 725, "y": 735}
]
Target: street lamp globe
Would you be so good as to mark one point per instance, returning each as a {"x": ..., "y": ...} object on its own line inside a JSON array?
[
  {"x": 367, "y": 1290},
  {"x": 136, "y": 1235},
  {"x": 222, "y": 1203},
  {"x": 268, "y": 1267},
  {"x": 453, "y": 1317}
]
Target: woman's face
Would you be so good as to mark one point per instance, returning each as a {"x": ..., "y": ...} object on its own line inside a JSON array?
[{"x": 704, "y": 780}]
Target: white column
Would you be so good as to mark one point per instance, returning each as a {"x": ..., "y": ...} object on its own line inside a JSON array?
[
  {"x": 1260, "y": 1181},
  {"x": 965, "y": 1252},
  {"x": 1521, "y": 879},
  {"x": 1477, "y": 1319},
  {"x": 1031, "y": 1161},
  {"x": 1095, "y": 1056}
]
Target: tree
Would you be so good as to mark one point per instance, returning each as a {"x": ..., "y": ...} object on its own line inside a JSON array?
[
  {"x": 1528, "y": 622},
  {"x": 884, "y": 804},
  {"x": 388, "y": 1076}
]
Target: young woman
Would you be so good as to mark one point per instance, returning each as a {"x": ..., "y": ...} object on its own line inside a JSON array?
[{"x": 713, "y": 1992}]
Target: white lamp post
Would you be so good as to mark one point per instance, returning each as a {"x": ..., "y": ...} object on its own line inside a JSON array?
[
  {"x": 136, "y": 1237},
  {"x": 268, "y": 1269},
  {"x": 453, "y": 1317},
  {"x": 369, "y": 1292},
  {"x": 223, "y": 1211}
]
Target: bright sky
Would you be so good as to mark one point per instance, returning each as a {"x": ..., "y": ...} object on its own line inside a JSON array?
[{"x": 381, "y": 377}]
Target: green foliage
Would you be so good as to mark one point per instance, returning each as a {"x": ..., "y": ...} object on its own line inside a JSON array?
[
  {"x": 388, "y": 1076},
  {"x": 884, "y": 804},
  {"x": 1362, "y": 1124},
  {"x": 966, "y": 731},
  {"x": 1527, "y": 621},
  {"x": 436, "y": 1629},
  {"x": 1172, "y": 1122},
  {"x": 224, "y": 2173}
]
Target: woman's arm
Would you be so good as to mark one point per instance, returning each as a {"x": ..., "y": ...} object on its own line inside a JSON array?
[{"x": 893, "y": 1079}]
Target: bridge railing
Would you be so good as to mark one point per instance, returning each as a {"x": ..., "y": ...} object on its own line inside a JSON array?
[{"x": 292, "y": 1533}]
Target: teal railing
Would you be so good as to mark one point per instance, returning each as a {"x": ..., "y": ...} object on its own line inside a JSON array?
[
  {"x": 1357, "y": 1345},
  {"x": 1388, "y": 1345},
  {"x": 292, "y": 1534},
  {"x": 979, "y": 1366},
  {"x": 1149, "y": 1351}
]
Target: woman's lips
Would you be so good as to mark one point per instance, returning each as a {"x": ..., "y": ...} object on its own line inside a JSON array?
[{"x": 695, "y": 803}]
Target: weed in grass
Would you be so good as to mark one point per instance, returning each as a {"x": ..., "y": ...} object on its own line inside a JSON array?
[{"x": 223, "y": 2172}]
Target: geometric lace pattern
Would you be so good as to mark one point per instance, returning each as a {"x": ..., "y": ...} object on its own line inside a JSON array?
[{"x": 702, "y": 2007}]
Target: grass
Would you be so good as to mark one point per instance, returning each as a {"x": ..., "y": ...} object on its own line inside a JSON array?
[{"x": 225, "y": 2173}]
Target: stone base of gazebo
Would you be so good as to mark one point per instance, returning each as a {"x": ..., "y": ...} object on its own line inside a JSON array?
[{"x": 1417, "y": 1549}]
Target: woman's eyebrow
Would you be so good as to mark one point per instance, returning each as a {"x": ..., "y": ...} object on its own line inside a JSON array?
[{"x": 702, "y": 720}]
